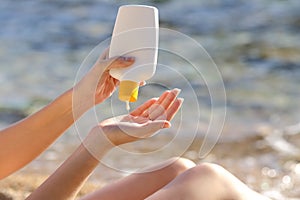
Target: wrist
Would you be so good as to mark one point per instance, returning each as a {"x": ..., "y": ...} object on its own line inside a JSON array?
[
  {"x": 81, "y": 101},
  {"x": 97, "y": 144}
]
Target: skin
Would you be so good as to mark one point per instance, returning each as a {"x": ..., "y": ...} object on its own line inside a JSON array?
[
  {"x": 206, "y": 181},
  {"x": 143, "y": 122},
  {"x": 19, "y": 143},
  {"x": 176, "y": 178}
]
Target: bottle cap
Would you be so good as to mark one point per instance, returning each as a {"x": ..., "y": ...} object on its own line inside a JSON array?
[{"x": 128, "y": 91}]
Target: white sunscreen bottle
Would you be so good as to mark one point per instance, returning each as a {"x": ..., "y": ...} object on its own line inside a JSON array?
[{"x": 135, "y": 34}]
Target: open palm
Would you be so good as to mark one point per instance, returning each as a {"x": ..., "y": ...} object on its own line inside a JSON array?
[{"x": 144, "y": 121}]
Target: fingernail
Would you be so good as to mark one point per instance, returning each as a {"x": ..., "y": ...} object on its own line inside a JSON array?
[
  {"x": 129, "y": 58},
  {"x": 126, "y": 58},
  {"x": 176, "y": 91},
  {"x": 181, "y": 100},
  {"x": 121, "y": 58},
  {"x": 167, "y": 125}
]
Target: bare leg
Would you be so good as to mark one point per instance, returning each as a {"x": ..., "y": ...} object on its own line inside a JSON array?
[
  {"x": 140, "y": 185},
  {"x": 206, "y": 181}
]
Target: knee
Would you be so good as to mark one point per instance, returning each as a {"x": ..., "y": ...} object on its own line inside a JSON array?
[
  {"x": 183, "y": 164},
  {"x": 196, "y": 182},
  {"x": 205, "y": 171},
  {"x": 179, "y": 165},
  {"x": 209, "y": 168},
  {"x": 207, "y": 177}
]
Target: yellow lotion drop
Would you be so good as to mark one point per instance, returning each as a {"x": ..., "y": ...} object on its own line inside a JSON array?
[{"x": 127, "y": 106}]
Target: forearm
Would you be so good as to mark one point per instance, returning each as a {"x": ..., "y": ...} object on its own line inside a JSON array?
[
  {"x": 23, "y": 141},
  {"x": 67, "y": 180}
]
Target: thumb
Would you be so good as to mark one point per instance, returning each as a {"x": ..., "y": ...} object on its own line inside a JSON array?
[
  {"x": 157, "y": 125},
  {"x": 105, "y": 54}
]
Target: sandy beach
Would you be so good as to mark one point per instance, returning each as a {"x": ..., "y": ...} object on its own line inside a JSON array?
[
  {"x": 249, "y": 165},
  {"x": 18, "y": 186}
]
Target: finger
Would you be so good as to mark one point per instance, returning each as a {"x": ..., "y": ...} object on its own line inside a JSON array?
[
  {"x": 154, "y": 106},
  {"x": 160, "y": 124},
  {"x": 142, "y": 108},
  {"x": 142, "y": 83},
  {"x": 104, "y": 55},
  {"x": 170, "y": 98},
  {"x": 154, "y": 126},
  {"x": 120, "y": 62},
  {"x": 156, "y": 111},
  {"x": 159, "y": 109},
  {"x": 163, "y": 96},
  {"x": 171, "y": 112}
]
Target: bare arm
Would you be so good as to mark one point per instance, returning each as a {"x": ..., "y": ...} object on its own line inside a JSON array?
[
  {"x": 65, "y": 183},
  {"x": 23, "y": 141},
  {"x": 141, "y": 123}
]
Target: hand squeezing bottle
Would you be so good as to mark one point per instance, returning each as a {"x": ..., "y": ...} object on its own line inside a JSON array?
[{"x": 135, "y": 34}]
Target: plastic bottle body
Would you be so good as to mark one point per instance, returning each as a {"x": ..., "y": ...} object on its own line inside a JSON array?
[{"x": 135, "y": 34}]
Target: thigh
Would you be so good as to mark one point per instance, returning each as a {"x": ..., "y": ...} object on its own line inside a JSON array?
[
  {"x": 144, "y": 183},
  {"x": 206, "y": 181}
]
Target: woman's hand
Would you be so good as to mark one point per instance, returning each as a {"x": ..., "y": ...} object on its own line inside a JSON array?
[
  {"x": 97, "y": 85},
  {"x": 143, "y": 122},
  {"x": 107, "y": 84}
]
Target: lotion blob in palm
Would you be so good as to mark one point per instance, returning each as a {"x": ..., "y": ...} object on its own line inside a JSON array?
[{"x": 135, "y": 34}]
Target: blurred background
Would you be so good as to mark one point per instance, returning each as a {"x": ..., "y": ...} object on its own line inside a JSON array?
[{"x": 255, "y": 44}]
